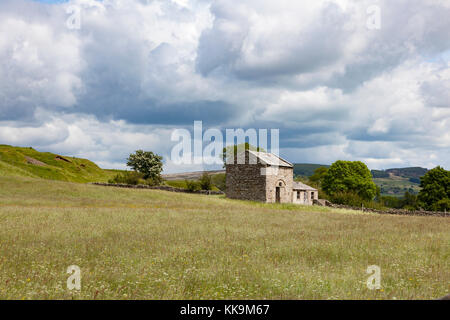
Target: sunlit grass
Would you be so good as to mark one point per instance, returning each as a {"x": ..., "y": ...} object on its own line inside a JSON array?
[
  {"x": 14, "y": 161},
  {"x": 149, "y": 244}
]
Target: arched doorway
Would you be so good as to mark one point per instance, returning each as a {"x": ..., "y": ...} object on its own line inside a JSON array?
[{"x": 279, "y": 188}]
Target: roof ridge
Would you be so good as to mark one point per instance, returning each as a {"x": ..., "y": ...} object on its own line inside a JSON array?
[{"x": 261, "y": 154}]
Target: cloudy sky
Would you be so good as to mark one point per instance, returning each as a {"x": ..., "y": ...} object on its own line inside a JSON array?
[{"x": 337, "y": 84}]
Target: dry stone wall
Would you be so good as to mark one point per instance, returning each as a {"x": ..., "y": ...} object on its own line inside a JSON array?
[{"x": 164, "y": 188}]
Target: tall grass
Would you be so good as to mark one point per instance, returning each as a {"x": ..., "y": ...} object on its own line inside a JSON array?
[{"x": 149, "y": 244}]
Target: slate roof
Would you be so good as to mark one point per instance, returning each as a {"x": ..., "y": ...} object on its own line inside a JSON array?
[
  {"x": 271, "y": 159},
  {"x": 302, "y": 186}
]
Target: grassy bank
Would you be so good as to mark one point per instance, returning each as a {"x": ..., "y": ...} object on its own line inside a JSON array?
[
  {"x": 143, "y": 244},
  {"x": 28, "y": 162}
]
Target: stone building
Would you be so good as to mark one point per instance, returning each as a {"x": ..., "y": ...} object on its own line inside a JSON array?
[
  {"x": 304, "y": 194},
  {"x": 265, "y": 177}
]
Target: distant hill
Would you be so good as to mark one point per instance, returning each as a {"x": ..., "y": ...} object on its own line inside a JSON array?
[
  {"x": 413, "y": 172},
  {"x": 27, "y": 162},
  {"x": 307, "y": 169},
  {"x": 410, "y": 173},
  {"x": 393, "y": 182},
  {"x": 195, "y": 175}
]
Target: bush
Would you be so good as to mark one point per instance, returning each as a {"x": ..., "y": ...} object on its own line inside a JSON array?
[
  {"x": 347, "y": 198},
  {"x": 129, "y": 177},
  {"x": 219, "y": 180},
  {"x": 354, "y": 200},
  {"x": 134, "y": 178},
  {"x": 205, "y": 182},
  {"x": 442, "y": 205},
  {"x": 192, "y": 185},
  {"x": 391, "y": 202},
  {"x": 153, "y": 181},
  {"x": 180, "y": 184}
]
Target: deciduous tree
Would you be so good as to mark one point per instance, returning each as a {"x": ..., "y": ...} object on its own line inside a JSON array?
[
  {"x": 349, "y": 176},
  {"x": 147, "y": 163},
  {"x": 435, "y": 193}
]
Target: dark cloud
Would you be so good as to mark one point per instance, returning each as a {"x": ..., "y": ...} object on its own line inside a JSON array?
[
  {"x": 152, "y": 112},
  {"x": 312, "y": 70}
]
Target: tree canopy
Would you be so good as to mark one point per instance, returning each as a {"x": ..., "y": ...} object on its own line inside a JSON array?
[
  {"x": 147, "y": 163},
  {"x": 318, "y": 176},
  {"x": 239, "y": 148},
  {"x": 349, "y": 176},
  {"x": 435, "y": 193}
]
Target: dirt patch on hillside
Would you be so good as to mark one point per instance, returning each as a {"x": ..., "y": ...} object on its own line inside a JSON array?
[
  {"x": 35, "y": 162},
  {"x": 62, "y": 159}
]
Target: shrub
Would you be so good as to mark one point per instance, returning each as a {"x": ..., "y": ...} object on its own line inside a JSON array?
[
  {"x": 128, "y": 177},
  {"x": 180, "y": 184},
  {"x": 205, "y": 182},
  {"x": 442, "y": 205},
  {"x": 134, "y": 178},
  {"x": 354, "y": 200},
  {"x": 347, "y": 198},
  {"x": 219, "y": 180},
  {"x": 192, "y": 185},
  {"x": 391, "y": 202},
  {"x": 155, "y": 181}
]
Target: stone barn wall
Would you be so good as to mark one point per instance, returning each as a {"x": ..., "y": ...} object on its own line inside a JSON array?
[
  {"x": 285, "y": 176},
  {"x": 245, "y": 182},
  {"x": 306, "y": 197}
]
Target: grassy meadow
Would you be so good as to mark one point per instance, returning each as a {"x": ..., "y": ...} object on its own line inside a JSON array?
[{"x": 148, "y": 244}]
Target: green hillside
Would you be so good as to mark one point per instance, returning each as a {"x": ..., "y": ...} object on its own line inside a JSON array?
[
  {"x": 396, "y": 186},
  {"x": 306, "y": 169},
  {"x": 397, "y": 181},
  {"x": 27, "y": 162}
]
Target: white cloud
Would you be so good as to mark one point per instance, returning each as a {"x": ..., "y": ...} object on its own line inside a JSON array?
[
  {"x": 40, "y": 67},
  {"x": 136, "y": 69}
]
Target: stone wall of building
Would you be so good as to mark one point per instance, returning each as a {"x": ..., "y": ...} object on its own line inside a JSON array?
[
  {"x": 306, "y": 197},
  {"x": 285, "y": 176},
  {"x": 245, "y": 182}
]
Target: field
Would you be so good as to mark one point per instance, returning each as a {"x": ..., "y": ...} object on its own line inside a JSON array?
[
  {"x": 396, "y": 186},
  {"x": 148, "y": 244}
]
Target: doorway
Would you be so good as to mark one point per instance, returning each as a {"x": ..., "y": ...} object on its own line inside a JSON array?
[{"x": 277, "y": 195}]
